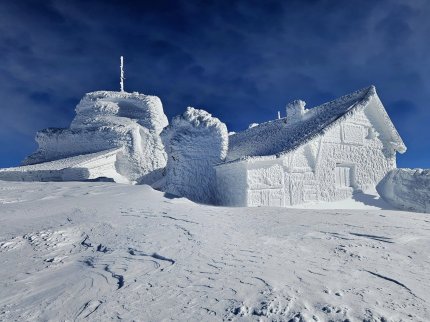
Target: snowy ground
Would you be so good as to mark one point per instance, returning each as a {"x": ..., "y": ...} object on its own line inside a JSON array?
[{"x": 101, "y": 251}]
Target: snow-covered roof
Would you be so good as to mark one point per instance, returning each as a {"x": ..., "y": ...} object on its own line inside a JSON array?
[
  {"x": 278, "y": 137},
  {"x": 71, "y": 162},
  {"x": 106, "y": 108}
]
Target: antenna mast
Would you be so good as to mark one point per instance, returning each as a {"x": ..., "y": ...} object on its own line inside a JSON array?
[{"x": 122, "y": 74}]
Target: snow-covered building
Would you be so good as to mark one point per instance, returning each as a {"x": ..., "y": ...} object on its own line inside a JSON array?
[
  {"x": 127, "y": 123},
  {"x": 321, "y": 154}
]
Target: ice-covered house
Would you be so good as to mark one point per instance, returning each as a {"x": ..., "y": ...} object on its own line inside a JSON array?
[{"x": 321, "y": 154}]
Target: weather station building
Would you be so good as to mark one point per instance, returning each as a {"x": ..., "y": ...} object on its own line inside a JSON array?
[{"x": 321, "y": 154}]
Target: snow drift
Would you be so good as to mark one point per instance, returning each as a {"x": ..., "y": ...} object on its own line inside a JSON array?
[
  {"x": 407, "y": 189},
  {"x": 194, "y": 142},
  {"x": 106, "y": 120}
]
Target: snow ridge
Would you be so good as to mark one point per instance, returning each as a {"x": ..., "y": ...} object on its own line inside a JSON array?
[{"x": 407, "y": 189}]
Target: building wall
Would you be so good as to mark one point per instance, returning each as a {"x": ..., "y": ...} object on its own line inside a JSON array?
[
  {"x": 308, "y": 174},
  {"x": 354, "y": 144},
  {"x": 265, "y": 183},
  {"x": 232, "y": 184}
]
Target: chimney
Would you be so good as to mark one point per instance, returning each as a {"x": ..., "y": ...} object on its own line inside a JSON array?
[{"x": 295, "y": 111}]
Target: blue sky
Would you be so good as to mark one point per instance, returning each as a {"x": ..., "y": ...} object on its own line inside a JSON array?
[{"x": 240, "y": 60}]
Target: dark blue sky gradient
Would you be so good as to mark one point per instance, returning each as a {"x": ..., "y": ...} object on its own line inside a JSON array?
[{"x": 240, "y": 60}]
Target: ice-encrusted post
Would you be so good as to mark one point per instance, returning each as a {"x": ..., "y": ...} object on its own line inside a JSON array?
[
  {"x": 122, "y": 74},
  {"x": 279, "y": 115}
]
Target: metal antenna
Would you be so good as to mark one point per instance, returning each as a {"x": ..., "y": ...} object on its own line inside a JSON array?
[{"x": 122, "y": 74}]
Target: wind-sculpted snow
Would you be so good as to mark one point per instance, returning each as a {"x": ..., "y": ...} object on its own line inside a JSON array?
[
  {"x": 107, "y": 120},
  {"x": 194, "y": 142},
  {"x": 407, "y": 189},
  {"x": 108, "y": 252}
]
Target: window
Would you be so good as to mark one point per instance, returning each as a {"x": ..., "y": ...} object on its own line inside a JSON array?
[{"x": 352, "y": 134}]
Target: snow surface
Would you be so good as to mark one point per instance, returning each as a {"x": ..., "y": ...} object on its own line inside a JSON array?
[
  {"x": 286, "y": 134},
  {"x": 106, "y": 120},
  {"x": 407, "y": 189},
  {"x": 194, "y": 142},
  {"x": 102, "y": 251}
]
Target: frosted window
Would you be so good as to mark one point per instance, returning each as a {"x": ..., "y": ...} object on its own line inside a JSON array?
[{"x": 352, "y": 134}]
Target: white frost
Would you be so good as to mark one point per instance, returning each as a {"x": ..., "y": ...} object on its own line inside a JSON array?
[{"x": 194, "y": 142}]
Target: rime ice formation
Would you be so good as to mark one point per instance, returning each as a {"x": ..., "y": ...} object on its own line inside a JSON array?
[
  {"x": 106, "y": 120},
  {"x": 322, "y": 154},
  {"x": 407, "y": 189},
  {"x": 194, "y": 142}
]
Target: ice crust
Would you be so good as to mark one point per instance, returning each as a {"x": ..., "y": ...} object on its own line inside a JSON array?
[
  {"x": 194, "y": 142},
  {"x": 106, "y": 120},
  {"x": 407, "y": 189}
]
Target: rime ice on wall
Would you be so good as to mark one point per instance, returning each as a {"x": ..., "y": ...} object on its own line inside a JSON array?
[
  {"x": 106, "y": 120},
  {"x": 322, "y": 154},
  {"x": 194, "y": 142},
  {"x": 407, "y": 189}
]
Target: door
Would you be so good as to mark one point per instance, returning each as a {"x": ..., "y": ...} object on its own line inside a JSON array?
[{"x": 343, "y": 176}]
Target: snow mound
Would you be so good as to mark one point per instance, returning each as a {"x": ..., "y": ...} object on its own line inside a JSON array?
[
  {"x": 194, "y": 142},
  {"x": 407, "y": 189},
  {"x": 107, "y": 120}
]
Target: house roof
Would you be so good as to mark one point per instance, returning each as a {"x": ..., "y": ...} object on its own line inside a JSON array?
[
  {"x": 277, "y": 137},
  {"x": 70, "y": 162}
]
